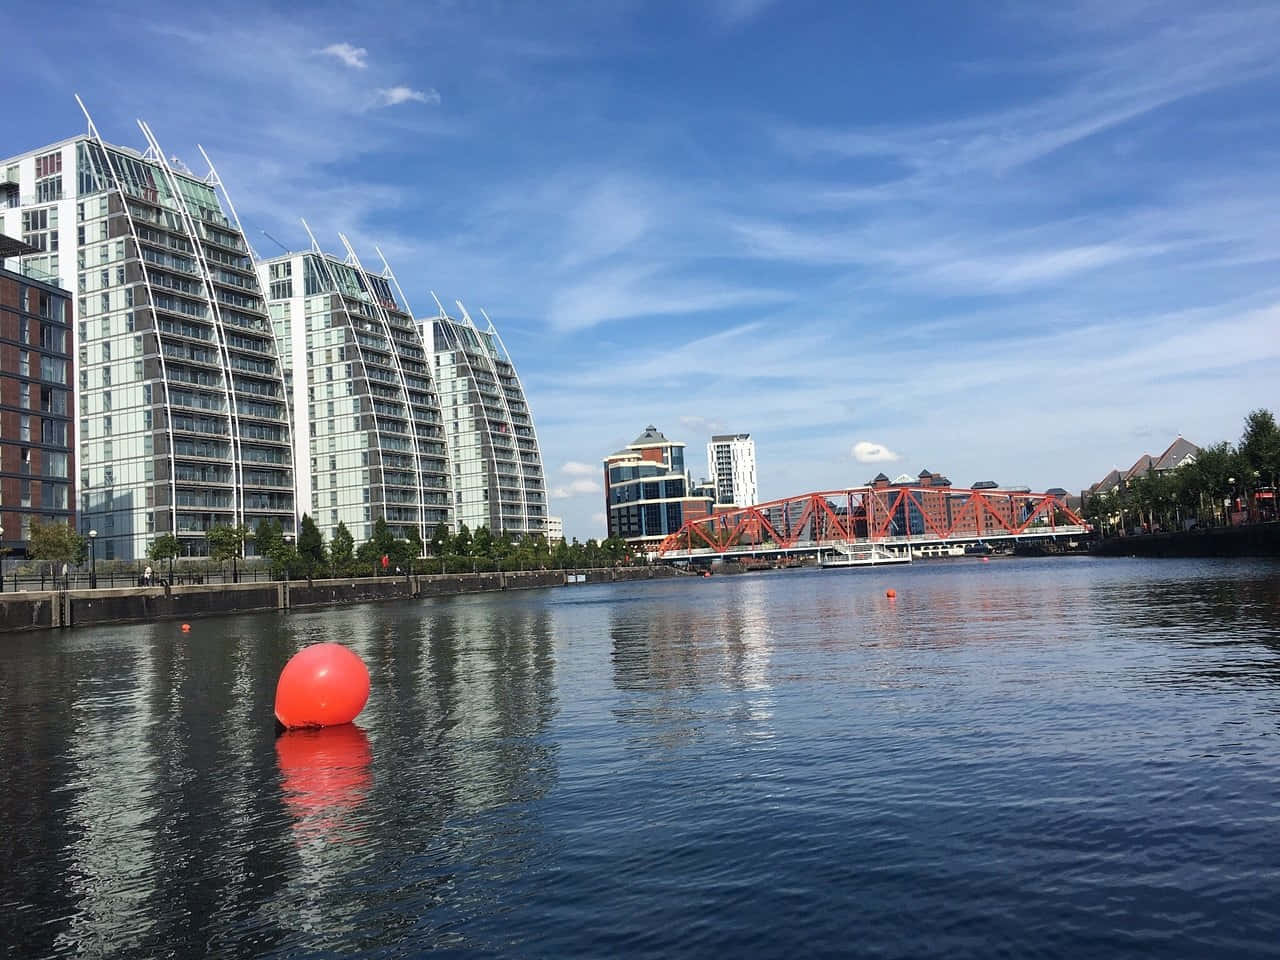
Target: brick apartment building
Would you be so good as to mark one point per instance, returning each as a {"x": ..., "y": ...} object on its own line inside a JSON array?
[
  {"x": 37, "y": 459},
  {"x": 935, "y": 507}
]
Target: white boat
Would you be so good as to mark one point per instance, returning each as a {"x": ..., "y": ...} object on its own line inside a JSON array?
[{"x": 864, "y": 555}]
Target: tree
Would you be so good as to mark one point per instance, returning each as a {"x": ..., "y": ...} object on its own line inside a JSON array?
[
  {"x": 164, "y": 547},
  {"x": 614, "y": 548},
  {"x": 409, "y": 549},
  {"x": 310, "y": 547},
  {"x": 342, "y": 550},
  {"x": 440, "y": 541},
  {"x": 381, "y": 544},
  {"x": 462, "y": 542},
  {"x": 1260, "y": 450},
  {"x": 57, "y": 543},
  {"x": 268, "y": 537},
  {"x": 226, "y": 543},
  {"x": 482, "y": 543}
]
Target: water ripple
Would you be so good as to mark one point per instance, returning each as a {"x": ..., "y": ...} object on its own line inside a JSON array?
[{"x": 1053, "y": 758}]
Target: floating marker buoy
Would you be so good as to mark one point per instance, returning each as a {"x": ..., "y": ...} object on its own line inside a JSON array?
[
  {"x": 186, "y": 628},
  {"x": 891, "y": 593},
  {"x": 986, "y": 559},
  {"x": 321, "y": 686}
]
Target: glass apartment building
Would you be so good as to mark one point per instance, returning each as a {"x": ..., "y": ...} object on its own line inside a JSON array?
[
  {"x": 369, "y": 436},
  {"x": 181, "y": 419},
  {"x": 498, "y": 479}
]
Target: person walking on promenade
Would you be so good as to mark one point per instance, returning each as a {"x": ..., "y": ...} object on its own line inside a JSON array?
[
  {"x": 146, "y": 576},
  {"x": 66, "y": 577}
]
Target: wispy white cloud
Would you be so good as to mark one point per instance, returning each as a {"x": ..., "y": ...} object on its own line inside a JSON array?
[
  {"x": 864, "y": 451},
  {"x": 350, "y": 55},
  {"x": 641, "y": 290},
  {"x": 576, "y": 488},
  {"x": 575, "y": 468},
  {"x": 392, "y": 96}
]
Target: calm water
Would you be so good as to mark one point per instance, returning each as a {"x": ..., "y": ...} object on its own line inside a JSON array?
[{"x": 1055, "y": 758}]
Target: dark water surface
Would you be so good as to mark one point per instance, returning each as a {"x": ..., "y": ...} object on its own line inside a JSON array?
[{"x": 1050, "y": 758}]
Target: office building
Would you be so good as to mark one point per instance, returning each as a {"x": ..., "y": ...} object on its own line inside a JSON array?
[
  {"x": 648, "y": 492},
  {"x": 498, "y": 480},
  {"x": 182, "y": 422},
  {"x": 368, "y": 435},
  {"x": 37, "y": 460},
  {"x": 731, "y": 465}
]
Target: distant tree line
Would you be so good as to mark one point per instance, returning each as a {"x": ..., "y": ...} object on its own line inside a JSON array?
[
  {"x": 310, "y": 556},
  {"x": 1202, "y": 493}
]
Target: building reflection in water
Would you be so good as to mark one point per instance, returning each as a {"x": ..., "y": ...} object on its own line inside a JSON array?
[
  {"x": 697, "y": 662},
  {"x": 152, "y": 811}
]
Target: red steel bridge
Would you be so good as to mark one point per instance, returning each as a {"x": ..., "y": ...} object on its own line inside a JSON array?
[{"x": 928, "y": 520}]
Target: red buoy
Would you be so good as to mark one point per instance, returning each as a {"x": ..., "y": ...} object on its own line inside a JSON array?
[
  {"x": 321, "y": 686},
  {"x": 891, "y": 593},
  {"x": 186, "y": 628}
]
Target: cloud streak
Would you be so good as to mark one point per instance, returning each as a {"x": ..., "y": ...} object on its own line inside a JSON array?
[
  {"x": 576, "y": 488},
  {"x": 355, "y": 57},
  {"x": 393, "y": 96}
]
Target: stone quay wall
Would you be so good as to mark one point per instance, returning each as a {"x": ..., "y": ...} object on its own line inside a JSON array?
[{"x": 82, "y": 608}]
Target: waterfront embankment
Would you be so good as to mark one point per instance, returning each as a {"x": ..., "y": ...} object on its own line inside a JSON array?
[
  {"x": 1254, "y": 540},
  {"x": 38, "y": 610}
]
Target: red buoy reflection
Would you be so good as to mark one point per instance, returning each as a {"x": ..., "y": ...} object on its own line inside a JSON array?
[{"x": 325, "y": 776}]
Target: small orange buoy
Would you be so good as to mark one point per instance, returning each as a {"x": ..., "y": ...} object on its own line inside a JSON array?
[
  {"x": 186, "y": 628},
  {"x": 891, "y": 593},
  {"x": 986, "y": 559},
  {"x": 321, "y": 686}
]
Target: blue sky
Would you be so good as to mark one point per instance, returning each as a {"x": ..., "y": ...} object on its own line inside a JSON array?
[{"x": 1015, "y": 241}]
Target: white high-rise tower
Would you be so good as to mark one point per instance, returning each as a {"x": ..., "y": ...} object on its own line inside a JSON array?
[{"x": 731, "y": 466}]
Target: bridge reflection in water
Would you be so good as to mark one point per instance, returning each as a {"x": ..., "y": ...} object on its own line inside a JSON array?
[{"x": 924, "y": 519}]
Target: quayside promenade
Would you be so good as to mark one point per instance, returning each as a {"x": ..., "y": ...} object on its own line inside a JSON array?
[{"x": 38, "y": 610}]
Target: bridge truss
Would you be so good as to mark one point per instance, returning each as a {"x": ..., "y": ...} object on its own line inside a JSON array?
[{"x": 896, "y": 515}]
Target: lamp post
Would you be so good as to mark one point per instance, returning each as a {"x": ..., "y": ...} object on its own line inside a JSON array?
[
  {"x": 93, "y": 559},
  {"x": 288, "y": 556}
]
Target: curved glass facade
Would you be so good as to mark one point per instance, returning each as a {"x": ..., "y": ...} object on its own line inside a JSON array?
[
  {"x": 369, "y": 423},
  {"x": 182, "y": 420},
  {"x": 498, "y": 479}
]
